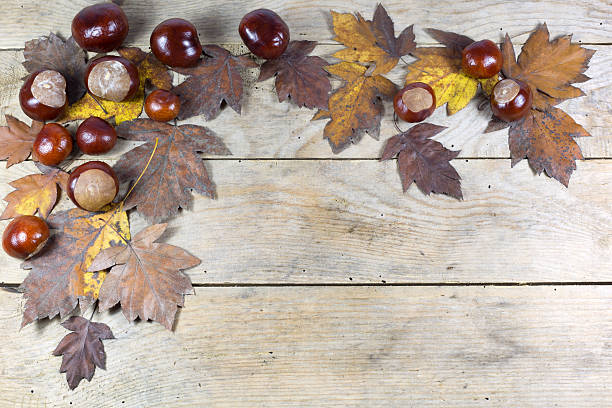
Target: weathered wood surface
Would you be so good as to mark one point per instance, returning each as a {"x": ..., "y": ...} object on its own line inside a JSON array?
[
  {"x": 347, "y": 221},
  {"x": 336, "y": 347}
]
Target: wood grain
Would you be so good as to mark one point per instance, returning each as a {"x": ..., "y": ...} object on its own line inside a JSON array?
[
  {"x": 345, "y": 221},
  {"x": 330, "y": 347},
  {"x": 217, "y": 21}
]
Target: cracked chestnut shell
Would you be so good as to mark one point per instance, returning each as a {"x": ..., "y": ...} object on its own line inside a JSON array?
[
  {"x": 175, "y": 42},
  {"x": 25, "y": 236},
  {"x": 415, "y": 102},
  {"x": 96, "y": 136},
  {"x": 43, "y": 95},
  {"x": 511, "y": 99},
  {"x": 264, "y": 33},
  {"x": 100, "y": 28},
  {"x": 113, "y": 78},
  {"x": 52, "y": 145},
  {"x": 481, "y": 59},
  {"x": 92, "y": 185}
]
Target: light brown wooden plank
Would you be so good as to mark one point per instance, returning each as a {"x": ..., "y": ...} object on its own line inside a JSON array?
[
  {"x": 217, "y": 21},
  {"x": 343, "y": 346},
  {"x": 344, "y": 221},
  {"x": 268, "y": 129}
]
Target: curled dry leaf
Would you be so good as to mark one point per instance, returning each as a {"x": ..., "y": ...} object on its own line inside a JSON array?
[
  {"x": 16, "y": 140},
  {"x": 215, "y": 79},
  {"x": 357, "y": 106},
  {"x": 58, "y": 278},
  {"x": 146, "y": 277},
  {"x": 175, "y": 168},
  {"x": 149, "y": 68},
  {"x": 82, "y": 350},
  {"x": 371, "y": 41},
  {"x": 65, "y": 57},
  {"x": 424, "y": 161},
  {"x": 299, "y": 77}
]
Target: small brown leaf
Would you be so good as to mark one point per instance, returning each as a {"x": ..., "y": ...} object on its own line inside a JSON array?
[
  {"x": 82, "y": 349},
  {"x": 424, "y": 161},
  {"x": 299, "y": 77},
  {"x": 16, "y": 140},
  {"x": 146, "y": 277},
  {"x": 149, "y": 68},
  {"x": 215, "y": 79}
]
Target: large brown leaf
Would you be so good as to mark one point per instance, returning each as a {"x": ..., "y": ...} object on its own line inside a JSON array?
[
  {"x": 65, "y": 57},
  {"x": 357, "y": 106},
  {"x": 149, "y": 68},
  {"x": 16, "y": 140},
  {"x": 146, "y": 277},
  {"x": 424, "y": 161},
  {"x": 548, "y": 67},
  {"x": 82, "y": 349},
  {"x": 299, "y": 77},
  {"x": 175, "y": 169},
  {"x": 215, "y": 79},
  {"x": 58, "y": 279},
  {"x": 546, "y": 139}
]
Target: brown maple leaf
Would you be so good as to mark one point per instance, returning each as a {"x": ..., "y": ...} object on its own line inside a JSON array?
[
  {"x": 65, "y": 57},
  {"x": 149, "y": 68},
  {"x": 146, "y": 277},
  {"x": 424, "y": 161},
  {"x": 546, "y": 139},
  {"x": 215, "y": 79},
  {"x": 357, "y": 106},
  {"x": 82, "y": 349},
  {"x": 34, "y": 193},
  {"x": 175, "y": 168},
  {"x": 299, "y": 77},
  {"x": 548, "y": 67},
  {"x": 16, "y": 140},
  {"x": 371, "y": 41},
  {"x": 58, "y": 279}
]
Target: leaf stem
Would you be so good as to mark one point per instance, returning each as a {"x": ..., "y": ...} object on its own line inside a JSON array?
[{"x": 141, "y": 174}]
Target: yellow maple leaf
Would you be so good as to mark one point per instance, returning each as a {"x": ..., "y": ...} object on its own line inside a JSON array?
[{"x": 87, "y": 106}]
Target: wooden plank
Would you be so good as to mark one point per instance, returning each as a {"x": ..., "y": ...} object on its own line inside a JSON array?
[
  {"x": 217, "y": 21},
  {"x": 343, "y": 346},
  {"x": 268, "y": 129},
  {"x": 343, "y": 221}
]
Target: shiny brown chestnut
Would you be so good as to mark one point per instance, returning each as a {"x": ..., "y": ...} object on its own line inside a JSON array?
[
  {"x": 511, "y": 99},
  {"x": 414, "y": 102},
  {"x": 162, "y": 105},
  {"x": 25, "y": 236},
  {"x": 175, "y": 42},
  {"x": 264, "y": 33},
  {"x": 96, "y": 136},
  {"x": 101, "y": 27},
  {"x": 113, "y": 78},
  {"x": 481, "y": 59},
  {"x": 43, "y": 95},
  {"x": 52, "y": 145},
  {"x": 92, "y": 185}
]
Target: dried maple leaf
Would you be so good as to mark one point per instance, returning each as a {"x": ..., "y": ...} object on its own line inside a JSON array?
[
  {"x": 82, "y": 349},
  {"x": 371, "y": 41},
  {"x": 215, "y": 79},
  {"x": 34, "y": 193},
  {"x": 175, "y": 168},
  {"x": 548, "y": 67},
  {"x": 424, "y": 161},
  {"x": 149, "y": 68},
  {"x": 441, "y": 69},
  {"x": 546, "y": 139},
  {"x": 146, "y": 277},
  {"x": 58, "y": 278},
  {"x": 298, "y": 76},
  {"x": 356, "y": 107},
  {"x": 16, "y": 140},
  {"x": 65, "y": 57}
]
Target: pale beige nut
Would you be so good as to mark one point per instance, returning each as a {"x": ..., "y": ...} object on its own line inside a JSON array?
[
  {"x": 49, "y": 88},
  {"x": 417, "y": 99},
  {"x": 109, "y": 80},
  {"x": 94, "y": 189}
]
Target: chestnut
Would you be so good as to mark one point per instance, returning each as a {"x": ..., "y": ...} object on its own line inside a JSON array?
[
  {"x": 264, "y": 33},
  {"x": 92, "y": 185},
  {"x": 414, "y": 102},
  {"x": 43, "y": 95},
  {"x": 113, "y": 78},
  {"x": 481, "y": 59},
  {"x": 175, "y": 42},
  {"x": 52, "y": 144},
  {"x": 25, "y": 236},
  {"x": 96, "y": 136},
  {"x": 100, "y": 28},
  {"x": 511, "y": 99},
  {"x": 162, "y": 105}
]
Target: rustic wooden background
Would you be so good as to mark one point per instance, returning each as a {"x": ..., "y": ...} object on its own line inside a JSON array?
[{"x": 322, "y": 284}]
